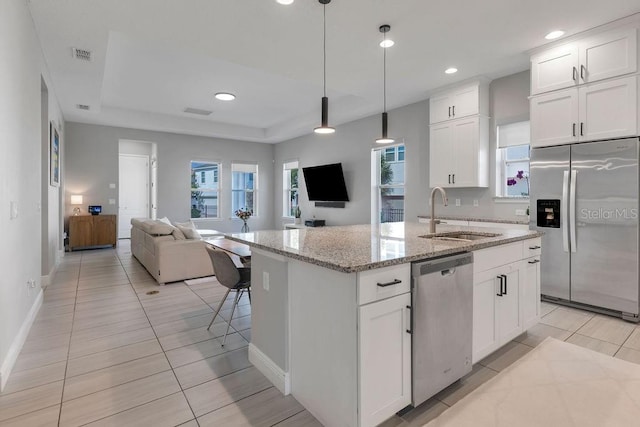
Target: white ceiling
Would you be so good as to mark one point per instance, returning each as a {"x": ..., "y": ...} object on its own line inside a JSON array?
[{"x": 154, "y": 58}]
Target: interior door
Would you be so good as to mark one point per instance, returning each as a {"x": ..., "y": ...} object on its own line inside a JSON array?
[
  {"x": 134, "y": 191},
  {"x": 604, "y": 267}
]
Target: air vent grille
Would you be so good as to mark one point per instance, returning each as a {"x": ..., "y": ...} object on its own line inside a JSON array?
[
  {"x": 82, "y": 54},
  {"x": 82, "y": 107},
  {"x": 197, "y": 111}
]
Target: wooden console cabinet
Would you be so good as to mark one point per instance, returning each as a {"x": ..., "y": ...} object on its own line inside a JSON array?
[{"x": 92, "y": 230}]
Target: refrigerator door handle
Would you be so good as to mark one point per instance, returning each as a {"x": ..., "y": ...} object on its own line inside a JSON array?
[
  {"x": 572, "y": 210},
  {"x": 563, "y": 211}
]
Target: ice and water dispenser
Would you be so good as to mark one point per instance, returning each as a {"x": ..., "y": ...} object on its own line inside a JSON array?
[{"x": 548, "y": 213}]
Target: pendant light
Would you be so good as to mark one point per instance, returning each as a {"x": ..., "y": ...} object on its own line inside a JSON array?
[
  {"x": 324, "y": 127},
  {"x": 384, "y": 139}
]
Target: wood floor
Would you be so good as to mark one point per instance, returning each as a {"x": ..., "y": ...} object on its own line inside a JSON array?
[{"x": 104, "y": 352}]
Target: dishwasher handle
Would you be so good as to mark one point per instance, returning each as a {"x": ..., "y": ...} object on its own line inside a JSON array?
[{"x": 448, "y": 272}]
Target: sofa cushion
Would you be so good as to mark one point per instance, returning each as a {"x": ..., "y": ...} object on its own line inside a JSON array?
[
  {"x": 165, "y": 220},
  {"x": 157, "y": 228},
  {"x": 178, "y": 234},
  {"x": 189, "y": 233}
]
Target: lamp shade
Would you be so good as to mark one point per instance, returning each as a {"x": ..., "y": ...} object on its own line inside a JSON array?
[{"x": 76, "y": 199}]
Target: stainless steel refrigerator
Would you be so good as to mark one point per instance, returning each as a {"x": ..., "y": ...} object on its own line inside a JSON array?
[{"x": 584, "y": 197}]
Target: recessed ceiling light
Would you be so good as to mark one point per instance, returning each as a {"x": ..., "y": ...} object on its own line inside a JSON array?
[
  {"x": 224, "y": 96},
  {"x": 387, "y": 43},
  {"x": 451, "y": 70},
  {"x": 554, "y": 35},
  {"x": 285, "y": 2}
]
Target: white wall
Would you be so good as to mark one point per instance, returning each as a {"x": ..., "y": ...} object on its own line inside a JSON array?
[
  {"x": 92, "y": 164},
  {"x": 21, "y": 71}
]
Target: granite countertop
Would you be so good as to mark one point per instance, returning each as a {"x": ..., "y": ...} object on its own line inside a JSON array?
[
  {"x": 496, "y": 220},
  {"x": 354, "y": 248}
]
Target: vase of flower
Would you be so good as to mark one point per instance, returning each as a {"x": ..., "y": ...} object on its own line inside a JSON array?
[
  {"x": 244, "y": 215},
  {"x": 521, "y": 176},
  {"x": 297, "y": 213}
]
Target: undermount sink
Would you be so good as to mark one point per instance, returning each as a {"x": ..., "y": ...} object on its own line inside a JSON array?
[{"x": 460, "y": 236}]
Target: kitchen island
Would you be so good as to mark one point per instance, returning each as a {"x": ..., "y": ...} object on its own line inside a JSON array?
[{"x": 331, "y": 309}]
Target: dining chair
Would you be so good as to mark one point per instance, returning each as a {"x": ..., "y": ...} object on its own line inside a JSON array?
[{"x": 234, "y": 278}]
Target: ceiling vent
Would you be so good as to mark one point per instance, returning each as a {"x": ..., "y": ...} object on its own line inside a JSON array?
[
  {"x": 197, "y": 111},
  {"x": 82, "y": 107},
  {"x": 81, "y": 54}
]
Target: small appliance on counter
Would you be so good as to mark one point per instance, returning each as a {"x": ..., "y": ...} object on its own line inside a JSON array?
[
  {"x": 314, "y": 222},
  {"x": 95, "y": 209}
]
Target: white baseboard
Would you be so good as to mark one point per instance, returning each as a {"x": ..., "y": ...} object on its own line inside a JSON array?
[
  {"x": 18, "y": 341},
  {"x": 269, "y": 369}
]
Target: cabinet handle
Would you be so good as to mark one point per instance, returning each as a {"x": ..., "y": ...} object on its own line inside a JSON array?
[
  {"x": 534, "y": 247},
  {"x": 583, "y": 70},
  {"x": 575, "y": 74},
  {"x": 581, "y": 129},
  {"x": 505, "y": 283},
  {"x": 449, "y": 111},
  {"x": 453, "y": 178},
  {"x": 573, "y": 129},
  {"x": 500, "y": 278},
  {"x": 453, "y": 110},
  {"x": 449, "y": 178},
  {"x": 394, "y": 282},
  {"x": 535, "y": 261},
  {"x": 410, "y": 331}
]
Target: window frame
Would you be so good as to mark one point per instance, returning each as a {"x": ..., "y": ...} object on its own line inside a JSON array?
[
  {"x": 216, "y": 177},
  {"x": 244, "y": 191},
  {"x": 287, "y": 189},
  {"x": 502, "y": 163},
  {"x": 378, "y": 187}
]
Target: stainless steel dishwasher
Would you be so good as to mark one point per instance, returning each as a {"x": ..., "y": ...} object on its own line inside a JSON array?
[{"x": 442, "y": 316}]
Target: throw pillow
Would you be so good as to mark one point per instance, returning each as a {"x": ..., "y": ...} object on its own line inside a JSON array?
[
  {"x": 177, "y": 234},
  {"x": 189, "y": 233},
  {"x": 166, "y": 221},
  {"x": 188, "y": 224}
]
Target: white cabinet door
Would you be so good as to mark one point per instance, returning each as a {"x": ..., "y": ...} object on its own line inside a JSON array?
[
  {"x": 508, "y": 315},
  {"x": 607, "y": 55},
  {"x": 465, "y": 152},
  {"x": 555, "y": 69},
  {"x": 385, "y": 359},
  {"x": 485, "y": 333},
  {"x": 496, "y": 309},
  {"x": 554, "y": 118},
  {"x": 440, "y": 155},
  {"x": 531, "y": 293},
  {"x": 608, "y": 109},
  {"x": 440, "y": 108},
  {"x": 465, "y": 102}
]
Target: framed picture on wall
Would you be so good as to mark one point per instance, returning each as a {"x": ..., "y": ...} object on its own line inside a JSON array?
[{"x": 54, "y": 156}]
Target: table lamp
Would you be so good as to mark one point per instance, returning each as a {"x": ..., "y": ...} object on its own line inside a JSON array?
[{"x": 76, "y": 199}]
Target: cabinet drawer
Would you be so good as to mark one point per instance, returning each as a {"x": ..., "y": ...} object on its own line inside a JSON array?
[
  {"x": 485, "y": 259},
  {"x": 532, "y": 247},
  {"x": 381, "y": 283}
]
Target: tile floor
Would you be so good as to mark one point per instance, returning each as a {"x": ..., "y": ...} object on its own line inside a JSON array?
[{"x": 103, "y": 352}]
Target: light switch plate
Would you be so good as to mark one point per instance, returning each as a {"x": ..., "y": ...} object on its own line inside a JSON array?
[
  {"x": 457, "y": 202},
  {"x": 112, "y": 185},
  {"x": 112, "y": 201},
  {"x": 265, "y": 280},
  {"x": 475, "y": 203},
  {"x": 521, "y": 212}
]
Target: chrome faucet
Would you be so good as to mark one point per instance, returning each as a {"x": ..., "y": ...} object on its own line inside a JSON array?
[{"x": 434, "y": 221}]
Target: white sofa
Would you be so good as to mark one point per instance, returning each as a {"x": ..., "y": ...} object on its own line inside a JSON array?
[{"x": 165, "y": 252}]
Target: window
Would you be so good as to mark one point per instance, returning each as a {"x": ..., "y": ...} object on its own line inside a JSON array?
[
  {"x": 512, "y": 160},
  {"x": 388, "y": 184},
  {"x": 290, "y": 187},
  {"x": 244, "y": 186},
  {"x": 205, "y": 192}
]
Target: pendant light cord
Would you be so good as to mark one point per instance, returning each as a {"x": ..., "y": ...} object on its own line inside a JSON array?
[
  {"x": 384, "y": 75},
  {"x": 324, "y": 48}
]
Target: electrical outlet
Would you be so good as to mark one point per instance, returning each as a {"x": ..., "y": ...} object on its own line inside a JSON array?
[
  {"x": 475, "y": 203},
  {"x": 112, "y": 201},
  {"x": 265, "y": 280},
  {"x": 521, "y": 212},
  {"x": 112, "y": 185},
  {"x": 457, "y": 202}
]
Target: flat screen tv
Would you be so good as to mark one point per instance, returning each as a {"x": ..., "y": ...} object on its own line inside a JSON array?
[{"x": 325, "y": 183}]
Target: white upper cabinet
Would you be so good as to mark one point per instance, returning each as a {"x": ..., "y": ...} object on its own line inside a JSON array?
[
  {"x": 605, "y": 55},
  {"x": 606, "y": 109},
  {"x": 466, "y": 100}
]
